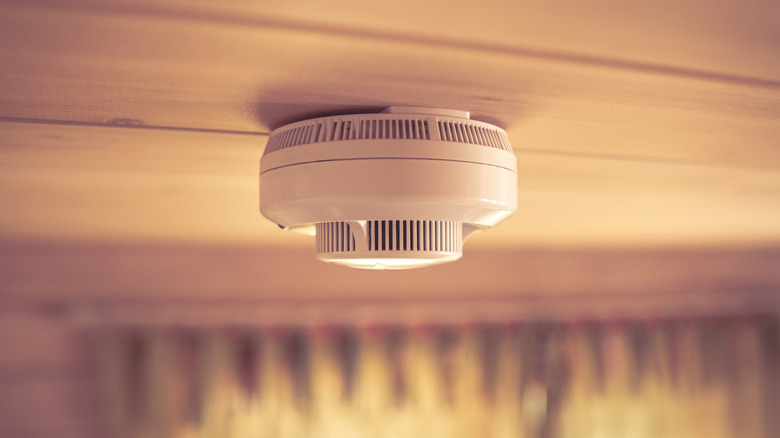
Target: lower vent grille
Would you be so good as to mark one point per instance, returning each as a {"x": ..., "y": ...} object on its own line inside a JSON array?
[
  {"x": 335, "y": 237},
  {"x": 391, "y": 235},
  {"x": 414, "y": 235}
]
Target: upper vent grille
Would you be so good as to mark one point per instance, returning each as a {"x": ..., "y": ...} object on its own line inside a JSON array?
[
  {"x": 412, "y": 235},
  {"x": 340, "y": 130},
  {"x": 465, "y": 132},
  {"x": 335, "y": 237},
  {"x": 345, "y": 129}
]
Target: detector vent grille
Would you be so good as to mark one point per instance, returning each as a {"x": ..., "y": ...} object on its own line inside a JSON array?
[
  {"x": 350, "y": 129},
  {"x": 465, "y": 132},
  {"x": 414, "y": 235},
  {"x": 335, "y": 237},
  {"x": 375, "y": 128}
]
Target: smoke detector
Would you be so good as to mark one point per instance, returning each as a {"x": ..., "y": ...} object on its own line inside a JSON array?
[{"x": 393, "y": 190}]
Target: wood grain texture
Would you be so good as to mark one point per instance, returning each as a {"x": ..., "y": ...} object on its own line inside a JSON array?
[
  {"x": 48, "y": 375},
  {"x": 212, "y": 67},
  {"x": 722, "y": 39},
  {"x": 646, "y": 136},
  {"x": 72, "y": 183},
  {"x": 49, "y": 272}
]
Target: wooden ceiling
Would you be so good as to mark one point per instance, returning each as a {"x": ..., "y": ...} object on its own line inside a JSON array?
[
  {"x": 647, "y": 136},
  {"x": 639, "y": 128}
]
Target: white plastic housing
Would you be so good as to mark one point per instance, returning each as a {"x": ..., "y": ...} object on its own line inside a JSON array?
[{"x": 434, "y": 173}]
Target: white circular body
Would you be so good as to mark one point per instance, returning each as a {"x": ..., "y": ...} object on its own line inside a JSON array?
[{"x": 393, "y": 190}]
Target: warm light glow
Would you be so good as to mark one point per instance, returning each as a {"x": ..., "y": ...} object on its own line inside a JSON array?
[{"x": 392, "y": 263}]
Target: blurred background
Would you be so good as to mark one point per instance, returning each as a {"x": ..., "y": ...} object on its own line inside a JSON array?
[
  {"x": 714, "y": 377},
  {"x": 635, "y": 292}
]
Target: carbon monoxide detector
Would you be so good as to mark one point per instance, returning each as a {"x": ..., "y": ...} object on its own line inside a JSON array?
[{"x": 393, "y": 190}]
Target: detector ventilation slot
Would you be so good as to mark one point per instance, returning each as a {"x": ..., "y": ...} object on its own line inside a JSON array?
[
  {"x": 474, "y": 134},
  {"x": 413, "y": 235},
  {"x": 345, "y": 130},
  {"x": 335, "y": 237}
]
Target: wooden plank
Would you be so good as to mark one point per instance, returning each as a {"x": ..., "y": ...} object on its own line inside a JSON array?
[
  {"x": 728, "y": 38},
  {"x": 48, "y": 374},
  {"x": 44, "y": 272},
  {"x": 71, "y": 183},
  {"x": 44, "y": 407},
  {"x": 66, "y": 182},
  {"x": 96, "y": 64},
  {"x": 38, "y": 344}
]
